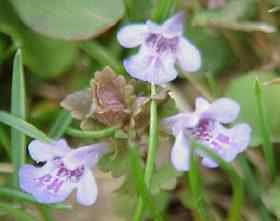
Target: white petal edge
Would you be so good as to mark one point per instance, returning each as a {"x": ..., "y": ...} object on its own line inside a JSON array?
[
  {"x": 85, "y": 155},
  {"x": 188, "y": 56},
  {"x": 180, "y": 153},
  {"x": 41, "y": 152},
  {"x": 174, "y": 25},
  {"x": 201, "y": 105},
  {"x": 224, "y": 110},
  {"x": 208, "y": 162},
  {"x": 132, "y": 35},
  {"x": 179, "y": 122},
  {"x": 241, "y": 136},
  {"x": 87, "y": 189}
]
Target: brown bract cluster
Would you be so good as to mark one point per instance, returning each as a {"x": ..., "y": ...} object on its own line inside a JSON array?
[{"x": 109, "y": 101}]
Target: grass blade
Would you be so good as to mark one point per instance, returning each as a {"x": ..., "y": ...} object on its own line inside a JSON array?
[
  {"x": 163, "y": 9},
  {"x": 196, "y": 188},
  {"x": 237, "y": 184},
  {"x": 24, "y": 197},
  {"x": 266, "y": 141},
  {"x": 146, "y": 199},
  {"x": 23, "y": 126},
  {"x": 4, "y": 141},
  {"x": 253, "y": 188},
  {"x": 60, "y": 125},
  {"x": 17, "y": 213},
  {"x": 18, "y": 140}
]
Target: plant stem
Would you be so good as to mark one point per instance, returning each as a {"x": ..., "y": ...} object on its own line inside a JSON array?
[
  {"x": 107, "y": 132},
  {"x": 59, "y": 126},
  {"x": 194, "y": 179},
  {"x": 153, "y": 140},
  {"x": 198, "y": 86},
  {"x": 236, "y": 181}
]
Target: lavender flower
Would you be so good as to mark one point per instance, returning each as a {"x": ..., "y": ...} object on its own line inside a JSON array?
[
  {"x": 161, "y": 47},
  {"x": 206, "y": 125},
  {"x": 64, "y": 171}
]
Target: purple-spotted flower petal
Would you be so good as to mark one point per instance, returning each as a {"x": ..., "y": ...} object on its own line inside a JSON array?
[
  {"x": 207, "y": 125},
  {"x": 65, "y": 170},
  {"x": 161, "y": 47}
]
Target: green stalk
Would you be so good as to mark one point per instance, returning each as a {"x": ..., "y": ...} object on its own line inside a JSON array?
[
  {"x": 102, "y": 55},
  {"x": 266, "y": 141},
  {"x": 253, "y": 188},
  {"x": 163, "y": 10},
  {"x": 153, "y": 140},
  {"x": 196, "y": 188},
  {"x": 236, "y": 181},
  {"x": 18, "y": 140},
  {"x": 61, "y": 123},
  {"x": 107, "y": 132}
]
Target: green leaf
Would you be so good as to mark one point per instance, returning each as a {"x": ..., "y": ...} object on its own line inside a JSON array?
[
  {"x": 241, "y": 89},
  {"x": 18, "y": 108},
  {"x": 23, "y": 126},
  {"x": 164, "y": 178},
  {"x": 44, "y": 56},
  {"x": 17, "y": 213},
  {"x": 116, "y": 163},
  {"x": 70, "y": 20}
]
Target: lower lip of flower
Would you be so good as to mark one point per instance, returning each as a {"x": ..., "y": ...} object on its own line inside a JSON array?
[
  {"x": 205, "y": 132},
  {"x": 53, "y": 182}
]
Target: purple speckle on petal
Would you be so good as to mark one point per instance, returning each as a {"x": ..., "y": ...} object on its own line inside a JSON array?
[
  {"x": 160, "y": 44},
  {"x": 223, "y": 138},
  {"x": 54, "y": 181}
]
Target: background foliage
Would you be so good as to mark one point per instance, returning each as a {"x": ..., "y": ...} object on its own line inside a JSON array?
[{"x": 62, "y": 43}]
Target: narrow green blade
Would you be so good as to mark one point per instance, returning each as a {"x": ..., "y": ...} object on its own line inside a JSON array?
[
  {"x": 18, "y": 140},
  {"x": 61, "y": 123},
  {"x": 23, "y": 127},
  {"x": 17, "y": 213},
  {"x": 266, "y": 141}
]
